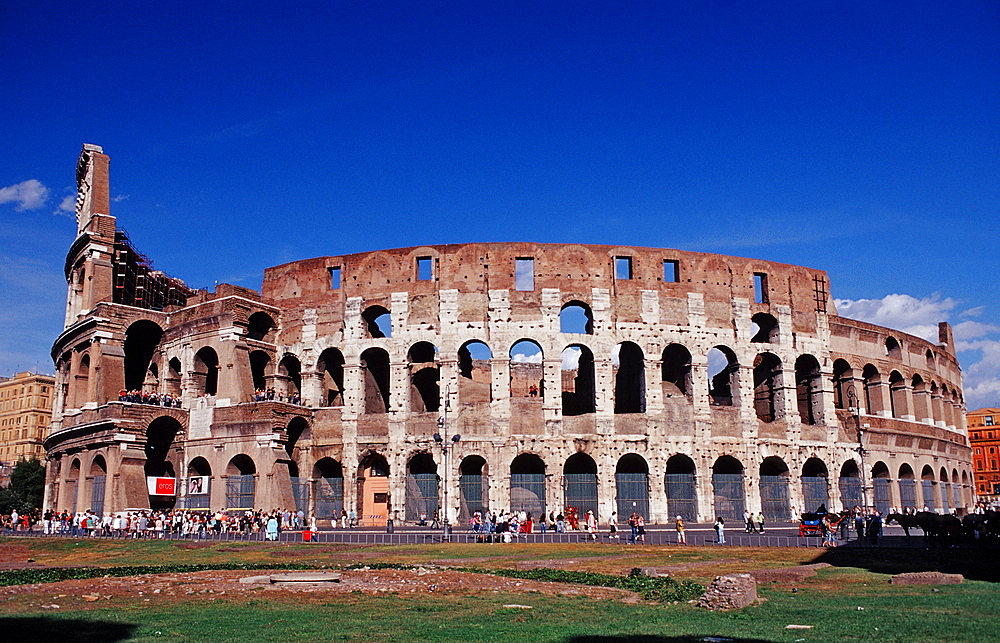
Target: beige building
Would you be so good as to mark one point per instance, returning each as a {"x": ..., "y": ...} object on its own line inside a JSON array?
[{"x": 25, "y": 414}]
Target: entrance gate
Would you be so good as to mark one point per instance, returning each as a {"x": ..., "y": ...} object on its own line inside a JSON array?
[
  {"x": 880, "y": 487},
  {"x": 814, "y": 493},
  {"x": 527, "y": 493},
  {"x": 240, "y": 492},
  {"x": 421, "y": 495},
  {"x": 729, "y": 496},
  {"x": 774, "y": 497},
  {"x": 850, "y": 492},
  {"x": 581, "y": 491},
  {"x": 329, "y": 497},
  {"x": 682, "y": 497}
]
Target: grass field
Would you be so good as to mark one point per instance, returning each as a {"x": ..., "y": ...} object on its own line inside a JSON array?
[{"x": 851, "y": 600}]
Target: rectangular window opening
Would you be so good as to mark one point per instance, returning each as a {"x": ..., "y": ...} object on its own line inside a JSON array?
[
  {"x": 524, "y": 273},
  {"x": 425, "y": 269},
  {"x": 760, "y": 288},
  {"x": 671, "y": 271},
  {"x": 623, "y": 267},
  {"x": 334, "y": 278}
]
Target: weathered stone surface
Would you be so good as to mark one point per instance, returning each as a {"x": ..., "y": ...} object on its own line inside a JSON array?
[
  {"x": 926, "y": 578},
  {"x": 306, "y": 577},
  {"x": 786, "y": 574},
  {"x": 735, "y": 591}
]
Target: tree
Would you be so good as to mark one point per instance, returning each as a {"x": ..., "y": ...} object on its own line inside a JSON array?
[{"x": 27, "y": 486}]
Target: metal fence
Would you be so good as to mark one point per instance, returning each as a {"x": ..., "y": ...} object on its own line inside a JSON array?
[
  {"x": 729, "y": 496},
  {"x": 633, "y": 494},
  {"x": 850, "y": 492},
  {"x": 880, "y": 487},
  {"x": 907, "y": 493},
  {"x": 682, "y": 496},
  {"x": 421, "y": 495},
  {"x": 97, "y": 494},
  {"x": 774, "y": 498},
  {"x": 473, "y": 495},
  {"x": 240, "y": 491},
  {"x": 927, "y": 486},
  {"x": 329, "y": 497},
  {"x": 581, "y": 491},
  {"x": 814, "y": 493},
  {"x": 527, "y": 493}
]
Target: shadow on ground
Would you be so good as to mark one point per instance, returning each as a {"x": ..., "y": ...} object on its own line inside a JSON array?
[
  {"x": 68, "y": 630},
  {"x": 973, "y": 564}
]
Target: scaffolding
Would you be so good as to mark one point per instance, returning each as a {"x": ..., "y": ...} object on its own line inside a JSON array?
[{"x": 138, "y": 284}]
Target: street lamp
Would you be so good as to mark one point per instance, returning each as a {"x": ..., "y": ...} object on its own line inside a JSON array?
[
  {"x": 855, "y": 408},
  {"x": 442, "y": 439}
]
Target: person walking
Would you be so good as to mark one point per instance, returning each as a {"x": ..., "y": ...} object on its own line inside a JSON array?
[
  {"x": 748, "y": 518},
  {"x": 720, "y": 531},
  {"x": 613, "y": 526},
  {"x": 760, "y": 522},
  {"x": 591, "y": 522},
  {"x": 633, "y": 524},
  {"x": 679, "y": 526}
]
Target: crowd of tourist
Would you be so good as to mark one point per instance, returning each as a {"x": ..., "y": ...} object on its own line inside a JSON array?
[
  {"x": 270, "y": 395},
  {"x": 155, "y": 399}
]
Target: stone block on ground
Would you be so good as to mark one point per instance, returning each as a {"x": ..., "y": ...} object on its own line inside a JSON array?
[
  {"x": 734, "y": 591},
  {"x": 926, "y": 578}
]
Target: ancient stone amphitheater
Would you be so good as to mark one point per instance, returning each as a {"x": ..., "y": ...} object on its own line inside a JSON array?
[{"x": 518, "y": 376}]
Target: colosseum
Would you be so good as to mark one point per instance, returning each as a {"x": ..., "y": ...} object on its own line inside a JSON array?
[{"x": 519, "y": 376}]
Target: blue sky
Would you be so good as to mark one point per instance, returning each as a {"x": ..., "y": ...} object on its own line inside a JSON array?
[{"x": 861, "y": 138}]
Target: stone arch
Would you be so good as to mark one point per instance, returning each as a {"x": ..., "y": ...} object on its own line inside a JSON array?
[
  {"x": 815, "y": 485},
  {"x": 290, "y": 377},
  {"x": 851, "y": 493},
  {"x": 774, "y": 498},
  {"x": 527, "y": 484},
  {"x": 767, "y": 387},
  {"x": 808, "y": 389},
  {"x": 199, "y": 484},
  {"x": 373, "y": 490},
  {"x": 764, "y": 329},
  {"x": 893, "y": 350},
  {"x": 880, "y": 487},
  {"x": 921, "y": 398},
  {"x": 173, "y": 378},
  {"x": 330, "y": 367},
  {"x": 907, "y": 487},
  {"x": 580, "y": 483},
  {"x": 728, "y": 488},
  {"x": 473, "y": 486},
  {"x": 723, "y": 377},
  {"x": 873, "y": 389},
  {"x": 142, "y": 340},
  {"x": 526, "y": 372},
  {"x": 630, "y": 378},
  {"x": 98, "y": 480},
  {"x": 897, "y": 395},
  {"x": 422, "y": 487},
  {"x": 160, "y": 436},
  {"x": 259, "y": 361},
  {"x": 928, "y": 487},
  {"x": 70, "y": 491},
  {"x": 328, "y": 489},
  {"x": 425, "y": 389},
  {"x": 681, "y": 487},
  {"x": 241, "y": 483},
  {"x": 675, "y": 371},
  {"x": 206, "y": 371},
  {"x": 375, "y": 380},
  {"x": 632, "y": 485},
  {"x": 475, "y": 373},
  {"x": 576, "y": 317},
  {"x": 578, "y": 380},
  {"x": 261, "y": 327},
  {"x": 843, "y": 383},
  {"x": 378, "y": 322}
]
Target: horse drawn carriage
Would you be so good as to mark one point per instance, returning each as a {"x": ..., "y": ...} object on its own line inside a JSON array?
[{"x": 811, "y": 524}]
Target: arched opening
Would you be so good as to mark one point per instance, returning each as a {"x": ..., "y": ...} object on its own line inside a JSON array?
[
  {"x": 808, "y": 385},
  {"x": 682, "y": 492},
  {"x": 98, "y": 484},
  {"x": 329, "y": 479},
  {"x": 843, "y": 376},
  {"x": 907, "y": 487},
  {"x": 578, "y": 380},
  {"x": 675, "y": 372},
  {"x": 921, "y": 398},
  {"x": 763, "y": 329},
  {"x": 375, "y": 377},
  {"x": 873, "y": 390},
  {"x": 241, "y": 483},
  {"x": 421, "y": 488},
  {"x": 425, "y": 390},
  {"x": 141, "y": 341},
  {"x": 632, "y": 486},
  {"x": 260, "y": 327},
  {"x": 475, "y": 373},
  {"x": 206, "y": 371},
  {"x": 258, "y": 371},
  {"x": 576, "y": 317},
  {"x": 945, "y": 489},
  {"x": 297, "y": 428},
  {"x": 473, "y": 486},
  {"x": 160, "y": 436},
  {"x": 199, "y": 484},
  {"x": 767, "y": 387},
  {"x": 851, "y": 495},
  {"x": 173, "y": 378},
  {"x": 897, "y": 395},
  {"x": 331, "y": 368},
  {"x": 892, "y": 348},
  {"x": 629, "y": 369},
  {"x": 774, "y": 501},
  {"x": 929, "y": 359},
  {"x": 72, "y": 483},
  {"x": 727, "y": 488},
  {"x": 580, "y": 483},
  {"x": 815, "y": 490},
  {"x": 956, "y": 491},
  {"x": 81, "y": 385},
  {"x": 880, "y": 488},
  {"x": 723, "y": 377},
  {"x": 374, "y": 490},
  {"x": 928, "y": 488},
  {"x": 290, "y": 379},
  {"x": 378, "y": 322},
  {"x": 526, "y": 375},
  {"x": 527, "y": 484}
]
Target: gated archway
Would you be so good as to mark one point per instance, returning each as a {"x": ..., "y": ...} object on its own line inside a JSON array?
[
  {"x": 774, "y": 500},
  {"x": 682, "y": 494},
  {"x": 473, "y": 486},
  {"x": 632, "y": 486},
  {"x": 850, "y": 485},
  {"x": 329, "y": 481},
  {"x": 421, "y": 487},
  {"x": 527, "y": 484},
  {"x": 580, "y": 483},
  {"x": 241, "y": 483},
  {"x": 815, "y": 489},
  {"x": 727, "y": 487}
]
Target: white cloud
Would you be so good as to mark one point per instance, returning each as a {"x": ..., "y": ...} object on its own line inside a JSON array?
[
  {"x": 121, "y": 197},
  {"x": 28, "y": 195},
  {"x": 527, "y": 359},
  {"x": 571, "y": 358},
  {"x": 67, "y": 206},
  {"x": 909, "y": 314}
]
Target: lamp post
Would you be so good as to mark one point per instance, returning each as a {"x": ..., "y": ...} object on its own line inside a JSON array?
[
  {"x": 855, "y": 408},
  {"x": 442, "y": 439}
]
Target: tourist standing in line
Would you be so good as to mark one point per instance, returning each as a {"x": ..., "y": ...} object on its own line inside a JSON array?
[
  {"x": 679, "y": 526},
  {"x": 720, "y": 531}
]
